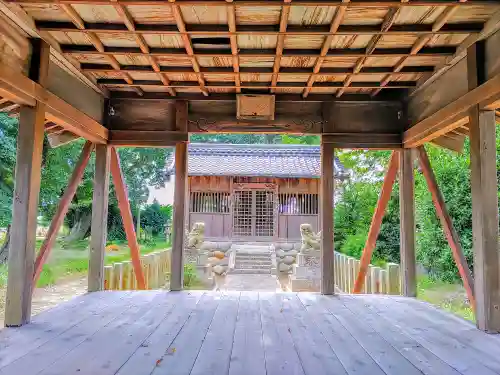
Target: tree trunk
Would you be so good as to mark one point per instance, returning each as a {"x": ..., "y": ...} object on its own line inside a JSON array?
[
  {"x": 81, "y": 229},
  {"x": 4, "y": 249}
]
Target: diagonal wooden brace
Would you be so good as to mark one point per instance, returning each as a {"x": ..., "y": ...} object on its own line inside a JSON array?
[
  {"x": 448, "y": 228},
  {"x": 62, "y": 210},
  {"x": 378, "y": 215},
  {"x": 128, "y": 223}
]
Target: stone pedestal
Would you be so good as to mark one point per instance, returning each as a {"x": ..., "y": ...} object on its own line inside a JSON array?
[
  {"x": 199, "y": 260},
  {"x": 306, "y": 276}
]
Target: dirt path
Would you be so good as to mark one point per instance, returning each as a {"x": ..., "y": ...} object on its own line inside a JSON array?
[{"x": 45, "y": 298}]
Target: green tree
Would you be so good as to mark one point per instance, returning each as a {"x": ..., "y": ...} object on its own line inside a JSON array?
[{"x": 154, "y": 217}]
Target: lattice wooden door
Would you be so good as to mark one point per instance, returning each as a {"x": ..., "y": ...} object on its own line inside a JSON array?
[{"x": 254, "y": 213}]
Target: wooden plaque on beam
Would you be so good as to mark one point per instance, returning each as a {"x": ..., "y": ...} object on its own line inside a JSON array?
[{"x": 255, "y": 107}]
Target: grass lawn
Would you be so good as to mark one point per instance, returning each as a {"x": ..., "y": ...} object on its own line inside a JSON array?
[
  {"x": 450, "y": 297},
  {"x": 69, "y": 259}
]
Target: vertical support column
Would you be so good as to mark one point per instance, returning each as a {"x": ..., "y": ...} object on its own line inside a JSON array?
[
  {"x": 99, "y": 219},
  {"x": 26, "y": 194},
  {"x": 485, "y": 219},
  {"x": 180, "y": 196},
  {"x": 484, "y": 200},
  {"x": 407, "y": 224},
  {"x": 327, "y": 190}
]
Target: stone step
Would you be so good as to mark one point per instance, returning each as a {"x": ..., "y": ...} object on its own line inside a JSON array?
[
  {"x": 253, "y": 266},
  {"x": 243, "y": 271},
  {"x": 253, "y": 256},
  {"x": 266, "y": 262}
]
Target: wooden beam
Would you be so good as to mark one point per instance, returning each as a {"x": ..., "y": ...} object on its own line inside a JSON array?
[
  {"x": 26, "y": 192},
  {"x": 62, "y": 209},
  {"x": 231, "y": 22},
  {"x": 327, "y": 186},
  {"x": 112, "y": 82},
  {"x": 250, "y": 52},
  {"x": 99, "y": 226},
  {"x": 284, "y": 71},
  {"x": 485, "y": 219},
  {"x": 131, "y": 27},
  {"x": 274, "y": 3},
  {"x": 280, "y": 43},
  {"x": 179, "y": 220},
  {"x": 386, "y": 24},
  {"x": 126, "y": 213},
  {"x": 58, "y": 110},
  {"x": 448, "y": 228},
  {"x": 188, "y": 45},
  {"x": 378, "y": 215},
  {"x": 16, "y": 14},
  {"x": 420, "y": 43},
  {"x": 204, "y": 30},
  {"x": 407, "y": 224},
  {"x": 146, "y": 138},
  {"x": 437, "y": 124}
]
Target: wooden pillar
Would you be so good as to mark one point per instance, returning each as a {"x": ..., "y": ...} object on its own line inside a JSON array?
[
  {"x": 484, "y": 199},
  {"x": 99, "y": 219},
  {"x": 485, "y": 219},
  {"x": 327, "y": 204},
  {"x": 177, "y": 269},
  {"x": 378, "y": 215},
  {"x": 407, "y": 224},
  {"x": 26, "y": 192}
]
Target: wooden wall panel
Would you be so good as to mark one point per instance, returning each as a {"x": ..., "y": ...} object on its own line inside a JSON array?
[
  {"x": 74, "y": 92},
  {"x": 450, "y": 86},
  {"x": 289, "y": 225},
  {"x": 210, "y": 183},
  {"x": 298, "y": 185},
  {"x": 139, "y": 114},
  {"x": 364, "y": 117}
]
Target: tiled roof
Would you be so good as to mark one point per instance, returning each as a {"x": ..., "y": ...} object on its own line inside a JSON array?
[{"x": 270, "y": 160}]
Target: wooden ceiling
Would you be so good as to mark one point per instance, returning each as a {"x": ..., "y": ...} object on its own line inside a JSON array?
[{"x": 283, "y": 47}]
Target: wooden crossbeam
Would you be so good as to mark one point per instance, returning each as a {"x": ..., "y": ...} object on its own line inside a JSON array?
[
  {"x": 110, "y": 82},
  {"x": 250, "y": 52},
  {"x": 126, "y": 213},
  {"x": 231, "y": 21},
  {"x": 62, "y": 210},
  {"x": 130, "y": 24},
  {"x": 448, "y": 228},
  {"x": 94, "y": 39},
  {"x": 104, "y": 68},
  {"x": 422, "y": 41},
  {"x": 188, "y": 45},
  {"x": 334, "y": 26},
  {"x": 387, "y": 22},
  {"x": 261, "y": 30},
  {"x": 378, "y": 215},
  {"x": 274, "y": 3},
  {"x": 285, "y": 13},
  {"x": 28, "y": 92}
]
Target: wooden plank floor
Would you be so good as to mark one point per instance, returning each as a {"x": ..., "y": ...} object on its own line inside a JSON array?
[{"x": 247, "y": 333}]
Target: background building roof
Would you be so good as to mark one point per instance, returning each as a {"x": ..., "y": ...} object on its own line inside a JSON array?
[{"x": 255, "y": 160}]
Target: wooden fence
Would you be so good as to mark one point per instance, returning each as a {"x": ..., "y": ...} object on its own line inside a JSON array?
[
  {"x": 378, "y": 280},
  {"x": 155, "y": 266}
]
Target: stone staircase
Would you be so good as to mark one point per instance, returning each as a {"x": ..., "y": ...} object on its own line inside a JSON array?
[{"x": 252, "y": 262}]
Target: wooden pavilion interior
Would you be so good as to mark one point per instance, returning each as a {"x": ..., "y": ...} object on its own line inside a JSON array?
[{"x": 375, "y": 74}]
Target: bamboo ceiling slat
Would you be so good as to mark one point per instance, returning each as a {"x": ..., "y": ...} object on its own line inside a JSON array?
[{"x": 282, "y": 46}]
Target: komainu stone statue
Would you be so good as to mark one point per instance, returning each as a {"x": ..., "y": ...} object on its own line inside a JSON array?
[
  {"x": 310, "y": 241},
  {"x": 218, "y": 254},
  {"x": 194, "y": 239}
]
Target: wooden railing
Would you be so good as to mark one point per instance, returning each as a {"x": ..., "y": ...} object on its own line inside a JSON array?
[
  {"x": 155, "y": 266},
  {"x": 378, "y": 280}
]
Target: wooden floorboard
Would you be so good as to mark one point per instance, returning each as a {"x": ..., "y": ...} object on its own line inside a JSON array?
[{"x": 198, "y": 333}]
